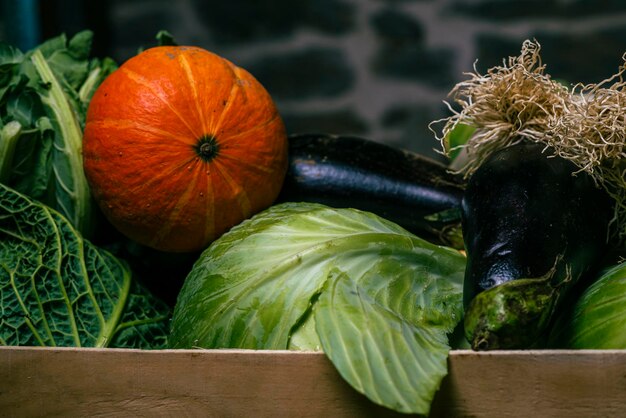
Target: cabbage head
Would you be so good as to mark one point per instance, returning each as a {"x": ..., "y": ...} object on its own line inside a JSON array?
[
  {"x": 379, "y": 301},
  {"x": 597, "y": 319}
]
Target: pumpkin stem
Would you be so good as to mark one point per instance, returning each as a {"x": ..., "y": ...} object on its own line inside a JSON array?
[{"x": 207, "y": 147}]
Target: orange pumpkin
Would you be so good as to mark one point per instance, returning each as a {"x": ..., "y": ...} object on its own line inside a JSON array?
[{"x": 180, "y": 145}]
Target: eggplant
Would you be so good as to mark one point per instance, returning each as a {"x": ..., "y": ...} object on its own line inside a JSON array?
[
  {"x": 414, "y": 191},
  {"x": 533, "y": 225}
]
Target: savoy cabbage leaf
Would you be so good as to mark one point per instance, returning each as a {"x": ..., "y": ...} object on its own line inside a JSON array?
[{"x": 57, "y": 289}]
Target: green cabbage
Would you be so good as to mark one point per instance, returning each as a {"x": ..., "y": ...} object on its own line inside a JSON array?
[
  {"x": 57, "y": 289},
  {"x": 379, "y": 301},
  {"x": 597, "y": 319}
]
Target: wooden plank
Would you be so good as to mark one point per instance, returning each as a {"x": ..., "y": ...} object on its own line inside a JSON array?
[
  {"x": 539, "y": 383},
  {"x": 241, "y": 383},
  {"x": 209, "y": 383}
]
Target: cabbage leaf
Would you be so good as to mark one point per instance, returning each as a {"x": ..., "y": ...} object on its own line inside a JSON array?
[
  {"x": 378, "y": 300},
  {"x": 44, "y": 94},
  {"x": 57, "y": 289},
  {"x": 596, "y": 319}
]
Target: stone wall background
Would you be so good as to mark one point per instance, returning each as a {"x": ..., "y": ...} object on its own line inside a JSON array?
[{"x": 374, "y": 68}]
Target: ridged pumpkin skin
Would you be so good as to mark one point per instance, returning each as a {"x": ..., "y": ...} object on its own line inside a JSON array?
[{"x": 180, "y": 145}]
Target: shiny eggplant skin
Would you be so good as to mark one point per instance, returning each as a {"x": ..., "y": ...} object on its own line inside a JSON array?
[
  {"x": 534, "y": 219},
  {"x": 401, "y": 186}
]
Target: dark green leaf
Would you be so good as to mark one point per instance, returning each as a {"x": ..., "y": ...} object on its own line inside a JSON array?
[
  {"x": 456, "y": 138},
  {"x": 10, "y": 58},
  {"x": 69, "y": 60},
  {"x": 25, "y": 107},
  {"x": 98, "y": 71},
  {"x": 32, "y": 167},
  {"x": 164, "y": 38},
  {"x": 9, "y": 137},
  {"x": 52, "y": 83},
  {"x": 59, "y": 290},
  {"x": 79, "y": 46}
]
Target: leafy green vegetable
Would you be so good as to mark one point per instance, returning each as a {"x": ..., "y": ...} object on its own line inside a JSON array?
[
  {"x": 44, "y": 95},
  {"x": 164, "y": 38},
  {"x": 57, "y": 289},
  {"x": 8, "y": 139},
  {"x": 456, "y": 138},
  {"x": 381, "y": 300},
  {"x": 597, "y": 320},
  {"x": 383, "y": 340}
]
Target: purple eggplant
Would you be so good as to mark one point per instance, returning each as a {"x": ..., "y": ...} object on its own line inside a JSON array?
[
  {"x": 414, "y": 191},
  {"x": 533, "y": 226}
]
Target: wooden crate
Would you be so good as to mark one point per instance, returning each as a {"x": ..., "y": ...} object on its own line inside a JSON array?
[{"x": 245, "y": 383}]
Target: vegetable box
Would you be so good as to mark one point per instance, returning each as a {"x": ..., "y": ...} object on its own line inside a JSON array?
[
  {"x": 184, "y": 152},
  {"x": 236, "y": 383}
]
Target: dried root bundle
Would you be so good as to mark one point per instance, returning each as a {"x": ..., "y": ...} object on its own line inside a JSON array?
[
  {"x": 519, "y": 101},
  {"x": 508, "y": 104}
]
